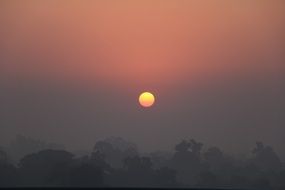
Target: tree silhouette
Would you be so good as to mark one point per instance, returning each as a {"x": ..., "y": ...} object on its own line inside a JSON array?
[
  {"x": 38, "y": 169},
  {"x": 3, "y": 156},
  {"x": 265, "y": 158},
  {"x": 207, "y": 179},
  {"x": 165, "y": 177},
  {"x": 187, "y": 160},
  {"x": 97, "y": 160},
  {"x": 8, "y": 173},
  {"x": 22, "y": 146},
  {"x": 115, "y": 162},
  {"x": 86, "y": 175},
  {"x": 115, "y": 150}
]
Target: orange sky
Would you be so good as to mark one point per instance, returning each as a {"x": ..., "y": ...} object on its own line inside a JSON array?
[
  {"x": 120, "y": 48},
  {"x": 141, "y": 42}
]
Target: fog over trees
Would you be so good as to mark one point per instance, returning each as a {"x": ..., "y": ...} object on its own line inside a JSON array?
[{"x": 115, "y": 162}]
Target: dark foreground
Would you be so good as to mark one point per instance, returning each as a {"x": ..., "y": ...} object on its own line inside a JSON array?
[{"x": 110, "y": 165}]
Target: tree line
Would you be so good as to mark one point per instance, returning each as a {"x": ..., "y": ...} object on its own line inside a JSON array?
[{"x": 115, "y": 162}]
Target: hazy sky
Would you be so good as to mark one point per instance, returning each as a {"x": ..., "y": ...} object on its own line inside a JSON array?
[{"x": 71, "y": 71}]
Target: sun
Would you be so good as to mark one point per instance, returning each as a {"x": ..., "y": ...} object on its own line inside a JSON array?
[{"x": 146, "y": 99}]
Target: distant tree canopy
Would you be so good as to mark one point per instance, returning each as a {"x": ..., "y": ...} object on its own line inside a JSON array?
[
  {"x": 115, "y": 162},
  {"x": 265, "y": 158},
  {"x": 3, "y": 156},
  {"x": 38, "y": 168},
  {"x": 115, "y": 150},
  {"x": 22, "y": 146}
]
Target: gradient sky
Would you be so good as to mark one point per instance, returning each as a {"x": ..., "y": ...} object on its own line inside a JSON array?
[{"x": 71, "y": 71}]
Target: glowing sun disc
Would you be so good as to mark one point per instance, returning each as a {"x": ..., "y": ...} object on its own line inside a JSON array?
[{"x": 146, "y": 99}]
